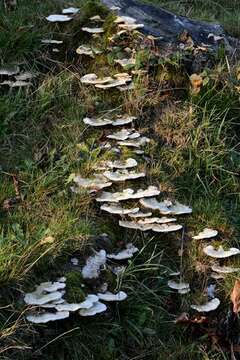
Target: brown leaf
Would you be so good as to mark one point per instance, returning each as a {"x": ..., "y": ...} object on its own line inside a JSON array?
[{"x": 235, "y": 297}]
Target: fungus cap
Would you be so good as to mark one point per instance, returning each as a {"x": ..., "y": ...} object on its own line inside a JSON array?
[
  {"x": 209, "y": 306},
  {"x": 96, "y": 308},
  {"x": 178, "y": 285},
  {"x": 70, "y": 10},
  {"x": 118, "y": 209},
  {"x": 93, "y": 30},
  {"x": 206, "y": 234},
  {"x": 124, "y": 254},
  {"x": 58, "y": 18},
  {"x": 108, "y": 296},
  {"x": 47, "y": 316},
  {"x": 220, "y": 253},
  {"x": 122, "y": 175}
]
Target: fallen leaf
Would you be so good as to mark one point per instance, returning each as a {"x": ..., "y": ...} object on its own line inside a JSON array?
[{"x": 235, "y": 297}]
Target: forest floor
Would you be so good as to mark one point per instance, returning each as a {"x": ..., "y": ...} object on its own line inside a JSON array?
[{"x": 192, "y": 157}]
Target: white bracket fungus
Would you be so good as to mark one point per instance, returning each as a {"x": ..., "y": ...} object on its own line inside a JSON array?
[
  {"x": 70, "y": 10},
  {"x": 124, "y": 254},
  {"x": 92, "y": 79},
  {"x": 96, "y": 308},
  {"x": 105, "y": 121},
  {"x": 87, "y": 50},
  {"x": 206, "y": 234},
  {"x": 140, "y": 214},
  {"x": 162, "y": 228},
  {"x": 125, "y": 62},
  {"x": 51, "y": 41},
  {"x": 125, "y": 19},
  {"x": 96, "y": 18},
  {"x": 93, "y": 265},
  {"x": 166, "y": 207},
  {"x": 127, "y": 194},
  {"x": 130, "y": 27},
  {"x": 118, "y": 209},
  {"x": 220, "y": 253},
  {"x": 47, "y": 316},
  {"x": 93, "y": 30},
  {"x": 118, "y": 164},
  {"x": 108, "y": 296},
  {"x": 224, "y": 269},
  {"x": 111, "y": 84},
  {"x": 134, "y": 225},
  {"x": 98, "y": 182},
  {"x": 181, "y": 287},
  {"x": 45, "y": 293},
  {"x": 140, "y": 141},
  {"x": 86, "y": 304},
  {"x": 58, "y": 18},
  {"x": 157, "y": 220},
  {"x": 209, "y": 306},
  {"x": 9, "y": 71},
  {"x": 122, "y": 175},
  {"x": 124, "y": 135}
]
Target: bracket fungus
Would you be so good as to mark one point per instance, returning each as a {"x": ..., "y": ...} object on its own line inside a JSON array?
[
  {"x": 96, "y": 18},
  {"x": 87, "y": 50},
  {"x": 111, "y": 84},
  {"x": 45, "y": 317},
  {"x": 140, "y": 214},
  {"x": 92, "y": 79},
  {"x": 124, "y": 135},
  {"x": 166, "y": 207},
  {"x": 206, "y": 234},
  {"x": 123, "y": 175},
  {"x": 140, "y": 141},
  {"x": 108, "y": 296},
  {"x": 124, "y": 120},
  {"x": 165, "y": 228},
  {"x": 134, "y": 225},
  {"x": 93, "y": 30},
  {"x": 58, "y": 18},
  {"x": 97, "y": 122},
  {"x": 130, "y": 27},
  {"x": 118, "y": 209},
  {"x": 93, "y": 265},
  {"x": 224, "y": 269},
  {"x": 25, "y": 76},
  {"x": 125, "y": 62},
  {"x": 70, "y": 10},
  {"x": 157, "y": 220},
  {"x": 220, "y": 253},
  {"x": 181, "y": 287},
  {"x": 98, "y": 182},
  {"x": 105, "y": 121},
  {"x": 96, "y": 308},
  {"x": 127, "y": 194},
  {"x": 123, "y": 76},
  {"x": 209, "y": 306},
  {"x": 71, "y": 307},
  {"x": 9, "y": 70},
  {"x": 119, "y": 164},
  {"x": 45, "y": 293},
  {"x": 124, "y": 254},
  {"x": 124, "y": 19}
]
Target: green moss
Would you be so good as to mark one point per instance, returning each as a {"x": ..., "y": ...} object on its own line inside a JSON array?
[{"x": 74, "y": 290}]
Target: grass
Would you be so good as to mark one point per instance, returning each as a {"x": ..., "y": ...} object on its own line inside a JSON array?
[{"x": 194, "y": 156}]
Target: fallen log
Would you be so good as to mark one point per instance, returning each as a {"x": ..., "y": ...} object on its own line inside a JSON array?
[{"x": 162, "y": 23}]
